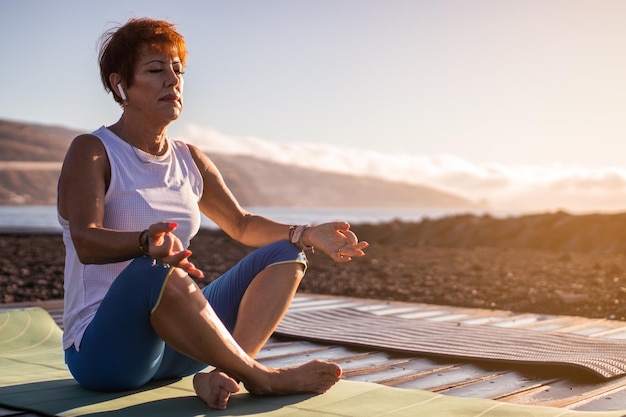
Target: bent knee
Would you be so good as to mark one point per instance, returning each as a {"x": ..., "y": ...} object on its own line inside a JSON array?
[
  {"x": 177, "y": 287},
  {"x": 290, "y": 269},
  {"x": 179, "y": 282},
  {"x": 283, "y": 252}
]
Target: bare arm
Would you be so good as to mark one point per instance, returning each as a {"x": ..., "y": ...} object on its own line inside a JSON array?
[
  {"x": 84, "y": 178},
  {"x": 219, "y": 204},
  {"x": 83, "y": 182}
]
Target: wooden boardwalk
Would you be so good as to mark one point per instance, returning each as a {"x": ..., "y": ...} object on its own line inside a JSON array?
[{"x": 521, "y": 384}]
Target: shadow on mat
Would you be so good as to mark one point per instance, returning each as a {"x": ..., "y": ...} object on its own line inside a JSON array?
[
  {"x": 59, "y": 396},
  {"x": 53, "y": 397},
  {"x": 192, "y": 406}
]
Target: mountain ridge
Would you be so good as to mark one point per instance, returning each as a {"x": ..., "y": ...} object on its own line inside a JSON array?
[{"x": 25, "y": 179}]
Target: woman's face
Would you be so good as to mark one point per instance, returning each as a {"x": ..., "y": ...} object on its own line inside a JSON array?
[{"x": 157, "y": 88}]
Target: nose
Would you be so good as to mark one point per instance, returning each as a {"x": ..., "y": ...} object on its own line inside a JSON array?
[{"x": 173, "y": 77}]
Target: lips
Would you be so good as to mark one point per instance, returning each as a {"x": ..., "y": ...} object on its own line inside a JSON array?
[{"x": 171, "y": 98}]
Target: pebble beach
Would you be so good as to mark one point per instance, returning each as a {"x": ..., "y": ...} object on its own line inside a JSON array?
[{"x": 402, "y": 264}]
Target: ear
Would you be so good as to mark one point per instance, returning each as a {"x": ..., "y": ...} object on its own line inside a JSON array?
[{"x": 114, "y": 80}]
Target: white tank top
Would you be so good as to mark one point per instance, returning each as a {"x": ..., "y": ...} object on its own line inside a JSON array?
[{"x": 144, "y": 190}]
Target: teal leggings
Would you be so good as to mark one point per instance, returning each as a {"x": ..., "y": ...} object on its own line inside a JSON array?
[{"x": 120, "y": 350}]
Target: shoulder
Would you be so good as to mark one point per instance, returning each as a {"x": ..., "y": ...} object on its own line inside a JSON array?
[
  {"x": 97, "y": 138},
  {"x": 194, "y": 150},
  {"x": 87, "y": 139},
  {"x": 86, "y": 150},
  {"x": 201, "y": 159},
  {"x": 87, "y": 143}
]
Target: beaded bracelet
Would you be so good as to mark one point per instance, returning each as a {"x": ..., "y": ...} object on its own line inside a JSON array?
[
  {"x": 295, "y": 236},
  {"x": 144, "y": 242}
]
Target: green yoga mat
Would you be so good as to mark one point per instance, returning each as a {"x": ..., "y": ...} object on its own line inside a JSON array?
[{"x": 33, "y": 377}]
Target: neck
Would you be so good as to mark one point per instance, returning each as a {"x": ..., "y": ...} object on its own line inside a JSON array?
[{"x": 153, "y": 142}]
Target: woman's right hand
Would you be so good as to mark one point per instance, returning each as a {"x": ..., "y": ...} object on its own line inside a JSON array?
[{"x": 165, "y": 246}]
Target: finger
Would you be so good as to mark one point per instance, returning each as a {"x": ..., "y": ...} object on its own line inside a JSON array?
[
  {"x": 360, "y": 246},
  {"x": 341, "y": 258},
  {"x": 194, "y": 272},
  {"x": 342, "y": 226},
  {"x": 177, "y": 258},
  {"x": 180, "y": 260},
  {"x": 343, "y": 254},
  {"x": 191, "y": 269},
  {"x": 161, "y": 236},
  {"x": 162, "y": 227},
  {"x": 353, "y": 250},
  {"x": 187, "y": 265},
  {"x": 351, "y": 238},
  {"x": 353, "y": 253}
]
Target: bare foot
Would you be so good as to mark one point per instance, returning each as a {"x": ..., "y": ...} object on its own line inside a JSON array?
[
  {"x": 313, "y": 377},
  {"x": 214, "y": 388}
]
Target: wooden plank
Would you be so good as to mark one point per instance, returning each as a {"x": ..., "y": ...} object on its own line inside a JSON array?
[
  {"x": 400, "y": 369},
  {"x": 372, "y": 361},
  {"x": 609, "y": 401},
  {"x": 566, "y": 392},
  {"x": 442, "y": 379},
  {"x": 295, "y": 347},
  {"x": 500, "y": 384}
]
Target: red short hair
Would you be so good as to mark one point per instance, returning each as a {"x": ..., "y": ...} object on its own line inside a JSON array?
[{"x": 120, "y": 47}]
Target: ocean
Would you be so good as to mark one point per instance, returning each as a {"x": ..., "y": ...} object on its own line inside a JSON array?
[{"x": 44, "y": 218}]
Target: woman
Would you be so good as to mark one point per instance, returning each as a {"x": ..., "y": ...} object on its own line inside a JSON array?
[{"x": 129, "y": 203}]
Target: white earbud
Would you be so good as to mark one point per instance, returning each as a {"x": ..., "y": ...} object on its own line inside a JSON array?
[{"x": 121, "y": 91}]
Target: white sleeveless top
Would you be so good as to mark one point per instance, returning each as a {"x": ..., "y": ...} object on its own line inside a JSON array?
[{"x": 144, "y": 190}]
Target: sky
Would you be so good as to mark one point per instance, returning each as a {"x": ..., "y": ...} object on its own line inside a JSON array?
[{"x": 518, "y": 103}]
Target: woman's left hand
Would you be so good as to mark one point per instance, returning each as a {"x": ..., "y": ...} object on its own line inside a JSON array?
[{"x": 336, "y": 240}]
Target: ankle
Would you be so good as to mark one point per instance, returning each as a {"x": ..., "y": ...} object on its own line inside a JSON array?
[{"x": 263, "y": 382}]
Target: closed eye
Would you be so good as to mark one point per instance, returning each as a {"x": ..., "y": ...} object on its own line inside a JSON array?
[{"x": 156, "y": 71}]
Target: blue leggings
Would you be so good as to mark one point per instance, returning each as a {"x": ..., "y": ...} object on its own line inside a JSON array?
[{"x": 121, "y": 351}]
